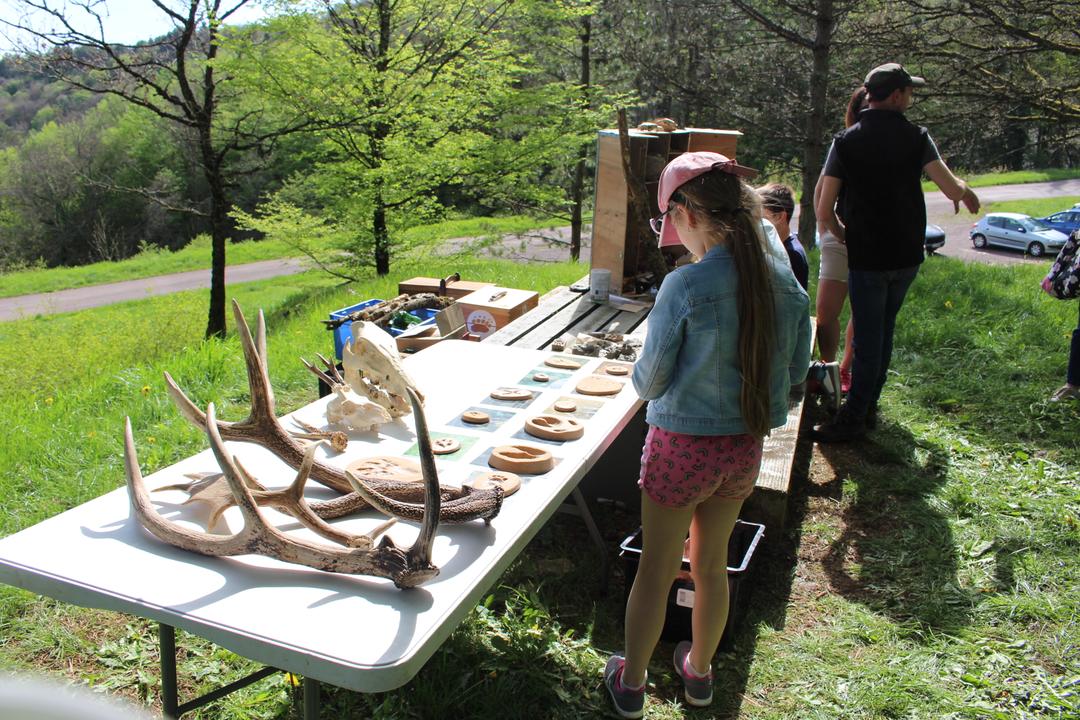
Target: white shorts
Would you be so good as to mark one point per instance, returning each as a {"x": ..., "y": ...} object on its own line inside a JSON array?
[{"x": 833, "y": 259}]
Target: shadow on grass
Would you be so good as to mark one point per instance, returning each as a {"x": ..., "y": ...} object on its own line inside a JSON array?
[{"x": 895, "y": 553}]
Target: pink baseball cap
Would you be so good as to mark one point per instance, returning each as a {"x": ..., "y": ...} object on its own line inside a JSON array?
[{"x": 682, "y": 170}]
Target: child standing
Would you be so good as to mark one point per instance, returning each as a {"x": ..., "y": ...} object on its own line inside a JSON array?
[{"x": 728, "y": 336}]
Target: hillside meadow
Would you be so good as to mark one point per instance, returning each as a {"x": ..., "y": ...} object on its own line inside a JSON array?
[{"x": 929, "y": 572}]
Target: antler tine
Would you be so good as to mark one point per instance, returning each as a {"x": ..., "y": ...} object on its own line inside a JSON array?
[
  {"x": 244, "y": 500},
  {"x": 159, "y": 527},
  {"x": 331, "y": 367},
  {"x": 260, "y": 339},
  {"x": 262, "y": 395},
  {"x": 188, "y": 409},
  {"x": 420, "y": 552},
  {"x": 319, "y": 373}
]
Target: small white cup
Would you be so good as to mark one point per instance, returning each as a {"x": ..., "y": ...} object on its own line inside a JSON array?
[{"x": 599, "y": 285}]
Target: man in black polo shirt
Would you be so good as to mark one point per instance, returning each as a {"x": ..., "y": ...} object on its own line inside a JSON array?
[{"x": 879, "y": 161}]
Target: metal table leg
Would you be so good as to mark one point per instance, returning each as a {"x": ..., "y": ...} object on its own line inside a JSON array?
[{"x": 311, "y": 699}]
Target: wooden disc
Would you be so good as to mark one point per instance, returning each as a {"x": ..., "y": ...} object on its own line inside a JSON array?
[
  {"x": 387, "y": 468},
  {"x": 553, "y": 427},
  {"x": 521, "y": 459},
  {"x": 617, "y": 370},
  {"x": 541, "y": 377},
  {"x": 511, "y": 394},
  {"x": 476, "y": 417},
  {"x": 598, "y": 385},
  {"x": 445, "y": 445},
  {"x": 508, "y": 481},
  {"x": 560, "y": 362},
  {"x": 566, "y": 406}
]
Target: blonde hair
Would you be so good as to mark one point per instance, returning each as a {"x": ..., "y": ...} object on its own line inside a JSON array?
[{"x": 731, "y": 210}]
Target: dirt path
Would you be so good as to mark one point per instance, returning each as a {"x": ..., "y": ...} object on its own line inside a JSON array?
[
  {"x": 81, "y": 298},
  {"x": 537, "y": 246}
]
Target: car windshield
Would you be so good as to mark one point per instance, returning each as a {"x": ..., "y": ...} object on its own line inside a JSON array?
[{"x": 1033, "y": 225}]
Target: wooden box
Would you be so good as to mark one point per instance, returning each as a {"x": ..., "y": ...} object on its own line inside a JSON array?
[
  {"x": 455, "y": 288},
  {"x": 494, "y": 307},
  {"x": 616, "y": 240}
]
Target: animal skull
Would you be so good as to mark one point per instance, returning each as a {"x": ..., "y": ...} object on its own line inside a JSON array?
[
  {"x": 373, "y": 368},
  {"x": 354, "y": 412}
]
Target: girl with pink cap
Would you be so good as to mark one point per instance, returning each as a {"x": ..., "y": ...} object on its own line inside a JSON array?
[{"x": 728, "y": 336}]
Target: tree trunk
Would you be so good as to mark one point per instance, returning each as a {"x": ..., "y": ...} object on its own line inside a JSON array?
[
  {"x": 219, "y": 232},
  {"x": 577, "y": 190},
  {"x": 814, "y": 145}
]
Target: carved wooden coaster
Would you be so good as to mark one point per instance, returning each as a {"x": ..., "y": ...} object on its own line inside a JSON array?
[
  {"x": 508, "y": 481},
  {"x": 617, "y": 370},
  {"x": 511, "y": 394},
  {"x": 598, "y": 385},
  {"x": 541, "y": 377},
  {"x": 475, "y": 417},
  {"x": 445, "y": 446},
  {"x": 386, "y": 468},
  {"x": 521, "y": 459},
  {"x": 563, "y": 363},
  {"x": 553, "y": 427},
  {"x": 566, "y": 406}
]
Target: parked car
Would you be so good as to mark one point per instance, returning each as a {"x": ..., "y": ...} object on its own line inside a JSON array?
[
  {"x": 1013, "y": 230},
  {"x": 934, "y": 239},
  {"x": 1067, "y": 221}
]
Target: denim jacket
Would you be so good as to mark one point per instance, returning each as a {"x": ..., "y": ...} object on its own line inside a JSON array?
[{"x": 689, "y": 367}]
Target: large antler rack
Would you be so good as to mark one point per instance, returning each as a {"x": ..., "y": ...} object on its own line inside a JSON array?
[
  {"x": 405, "y": 567},
  {"x": 262, "y": 427}
]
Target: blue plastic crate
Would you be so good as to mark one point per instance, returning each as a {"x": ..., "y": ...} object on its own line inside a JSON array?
[{"x": 343, "y": 332}]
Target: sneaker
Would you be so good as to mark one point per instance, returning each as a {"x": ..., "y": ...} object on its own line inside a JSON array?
[
  {"x": 628, "y": 703},
  {"x": 1066, "y": 392},
  {"x": 845, "y": 380},
  {"x": 844, "y": 427},
  {"x": 696, "y": 688}
]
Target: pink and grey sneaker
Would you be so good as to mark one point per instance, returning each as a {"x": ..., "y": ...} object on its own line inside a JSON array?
[
  {"x": 629, "y": 703},
  {"x": 696, "y": 688},
  {"x": 845, "y": 380}
]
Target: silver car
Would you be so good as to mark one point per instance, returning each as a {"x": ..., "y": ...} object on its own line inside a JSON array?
[{"x": 1013, "y": 230}]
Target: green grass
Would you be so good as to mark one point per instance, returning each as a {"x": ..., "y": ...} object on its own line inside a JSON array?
[
  {"x": 1035, "y": 207},
  {"x": 929, "y": 572},
  {"x": 1013, "y": 177},
  {"x": 196, "y": 256}
]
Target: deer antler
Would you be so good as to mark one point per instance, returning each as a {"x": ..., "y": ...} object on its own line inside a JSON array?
[
  {"x": 407, "y": 568},
  {"x": 262, "y": 427}
]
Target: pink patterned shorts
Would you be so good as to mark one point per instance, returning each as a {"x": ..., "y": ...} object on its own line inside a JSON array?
[{"x": 678, "y": 470}]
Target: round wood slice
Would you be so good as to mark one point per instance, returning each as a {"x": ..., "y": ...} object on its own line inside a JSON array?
[
  {"x": 541, "y": 377},
  {"x": 475, "y": 417},
  {"x": 553, "y": 427},
  {"x": 521, "y": 459},
  {"x": 511, "y": 394},
  {"x": 508, "y": 481},
  {"x": 598, "y": 385},
  {"x": 387, "y": 468},
  {"x": 617, "y": 370},
  {"x": 560, "y": 362},
  {"x": 566, "y": 406},
  {"x": 445, "y": 445}
]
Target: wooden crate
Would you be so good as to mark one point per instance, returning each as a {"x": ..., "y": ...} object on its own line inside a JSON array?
[
  {"x": 491, "y": 308},
  {"x": 454, "y": 289},
  {"x": 616, "y": 240}
]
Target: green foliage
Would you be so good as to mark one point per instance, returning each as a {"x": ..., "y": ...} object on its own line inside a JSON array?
[{"x": 1040, "y": 207}]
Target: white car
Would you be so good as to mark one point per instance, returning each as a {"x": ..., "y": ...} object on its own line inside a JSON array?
[{"x": 1013, "y": 230}]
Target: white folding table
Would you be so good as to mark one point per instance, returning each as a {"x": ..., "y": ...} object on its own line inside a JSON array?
[{"x": 354, "y": 632}]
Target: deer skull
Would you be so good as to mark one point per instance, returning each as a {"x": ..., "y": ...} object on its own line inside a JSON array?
[
  {"x": 354, "y": 412},
  {"x": 373, "y": 368}
]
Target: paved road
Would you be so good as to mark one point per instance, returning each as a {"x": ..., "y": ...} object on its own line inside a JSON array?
[
  {"x": 95, "y": 295},
  {"x": 541, "y": 246}
]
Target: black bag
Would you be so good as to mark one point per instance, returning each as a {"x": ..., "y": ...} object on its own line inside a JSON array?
[{"x": 1063, "y": 280}]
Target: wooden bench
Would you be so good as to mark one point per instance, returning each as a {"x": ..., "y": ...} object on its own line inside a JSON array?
[{"x": 563, "y": 312}]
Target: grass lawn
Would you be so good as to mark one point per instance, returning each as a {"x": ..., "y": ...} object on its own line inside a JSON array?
[
  {"x": 928, "y": 572},
  {"x": 1035, "y": 207},
  {"x": 1013, "y": 177}
]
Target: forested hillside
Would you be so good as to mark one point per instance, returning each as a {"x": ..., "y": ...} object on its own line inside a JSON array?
[{"x": 359, "y": 120}]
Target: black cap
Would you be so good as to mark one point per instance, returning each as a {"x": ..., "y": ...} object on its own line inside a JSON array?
[{"x": 889, "y": 77}]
